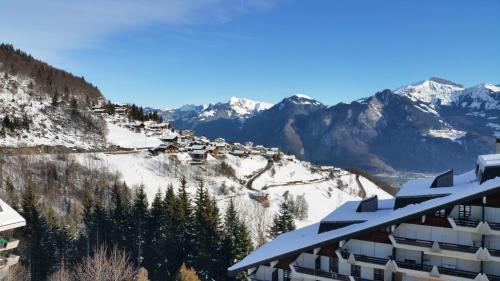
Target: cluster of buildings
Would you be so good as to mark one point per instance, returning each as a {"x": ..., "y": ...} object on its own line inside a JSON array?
[
  {"x": 174, "y": 141},
  {"x": 441, "y": 228}
]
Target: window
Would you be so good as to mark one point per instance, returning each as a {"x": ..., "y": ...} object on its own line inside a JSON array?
[
  {"x": 440, "y": 213},
  {"x": 334, "y": 265},
  {"x": 355, "y": 270},
  {"x": 464, "y": 211},
  {"x": 378, "y": 274}
]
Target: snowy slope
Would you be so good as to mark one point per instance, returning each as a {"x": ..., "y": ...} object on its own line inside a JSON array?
[
  {"x": 125, "y": 138},
  {"x": 323, "y": 189},
  {"x": 40, "y": 123}
]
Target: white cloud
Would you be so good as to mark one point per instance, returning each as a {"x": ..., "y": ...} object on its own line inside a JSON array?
[{"x": 48, "y": 28}]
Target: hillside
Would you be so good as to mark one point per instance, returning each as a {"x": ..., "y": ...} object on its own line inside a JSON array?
[{"x": 42, "y": 105}]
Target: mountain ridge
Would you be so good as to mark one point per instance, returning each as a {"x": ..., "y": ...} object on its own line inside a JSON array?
[{"x": 419, "y": 120}]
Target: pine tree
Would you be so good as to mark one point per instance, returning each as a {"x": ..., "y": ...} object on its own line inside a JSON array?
[
  {"x": 236, "y": 242},
  {"x": 38, "y": 238},
  {"x": 172, "y": 221},
  {"x": 207, "y": 229},
  {"x": 119, "y": 217},
  {"x": 283, "y": 221},
  {"x": 156, "y": 228},
  {"x": 139, "y": 218},
  {"x": 183, "y": 228}
]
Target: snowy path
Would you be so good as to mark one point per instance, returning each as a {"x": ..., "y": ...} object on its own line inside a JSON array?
[{"x": 249, "y": 183}]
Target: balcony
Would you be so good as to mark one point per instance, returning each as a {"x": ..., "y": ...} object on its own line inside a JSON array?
[
  {"x": 8, "y": 243},
  {"x": 414, "y": 266},
  {"x": 374, "y": 260},
  {"x": 492, "y": 277},
  {"x": 431, "y": 247},
  {"x": 320, "y": 273},
  {"x": 467, "y": 222},
  {"x": 457, "y": 272}
]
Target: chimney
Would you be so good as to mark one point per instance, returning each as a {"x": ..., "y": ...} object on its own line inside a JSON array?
[{"x": 498, "y": 146}]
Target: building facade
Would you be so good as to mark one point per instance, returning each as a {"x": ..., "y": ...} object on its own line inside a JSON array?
[
  {"x": 442, "y": 228},
  {"x": 9, "y": 220}
]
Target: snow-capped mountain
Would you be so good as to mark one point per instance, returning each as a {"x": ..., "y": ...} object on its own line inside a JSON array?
[
  {"x": 419, "y": 127},
  {"x": 235, "y": 108},
  {"x": 434, "y": 90}
]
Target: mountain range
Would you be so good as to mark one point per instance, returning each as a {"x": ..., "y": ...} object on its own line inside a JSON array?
[{"x": 420, "y": 127}]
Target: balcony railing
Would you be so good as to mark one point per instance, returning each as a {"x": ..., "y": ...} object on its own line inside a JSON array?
[
  {"x": 492, "y": 277},
  {"x": 413, "y": 242},
  {"x": 368, "y": 259},
  {"x": 414, "y": 266},
  {"x": 442, "y": 245},
  {"x": 467, "y": 222},
  {"x": 494, "y": 225},
  {"x": 458, "y": 247},
  {"x": 320, "y": 273},
  {"x": 457, "y": 272}
]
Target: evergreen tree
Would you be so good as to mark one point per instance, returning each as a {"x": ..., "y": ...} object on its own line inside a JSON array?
[
  {"x": 183, "y": 228},
  {"x": 119, "y": 217},
  {"x": 170, "y": 247},
  {"x": 207, "y": 229},
  {"x": 156, "y": 228},
  {"x": 236, "y": 242},
  {"x": 283, "y": 221},
  {"x": 38, "y": 238},
  {"x": 139, "y": 218}
]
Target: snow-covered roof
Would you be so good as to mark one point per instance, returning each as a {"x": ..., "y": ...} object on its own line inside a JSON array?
[
  {"x": 490, "y": 160},
  {"x": 465, "y": 187},
  {"x": 9, "y": 218}
]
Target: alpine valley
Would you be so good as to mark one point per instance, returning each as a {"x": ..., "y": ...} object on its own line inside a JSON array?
[{"x": 392, "y": 130}]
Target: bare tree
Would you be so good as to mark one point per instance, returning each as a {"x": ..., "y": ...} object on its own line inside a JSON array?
[
  {"x": 17, "y": 272},
  {"x": 187, "y": 274},
  {"x": 257, "y": 217},
  {"x": 104, "y": 266},
  {"x": 61, "y": 275}
]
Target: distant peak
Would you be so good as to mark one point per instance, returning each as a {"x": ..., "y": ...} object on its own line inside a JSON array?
[
  {"x": 445, "y": 82},
  {"x": 302, "y": 99},
  {"x": 302, "y": 96}
]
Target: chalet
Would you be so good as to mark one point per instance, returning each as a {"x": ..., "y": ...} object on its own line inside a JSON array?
[
  {"x": 239, "y": 152},
  {"x": 213, "y": 150},
  {"x": 187, "y": 134},
  {"x": 199, "y": 155},
  {"x": 169, "y": 137},
  {"x": 9, "y": 220},
  {"x": 194, "y": 147},
  {"x": 446, "y": 227},
  {"x": 170, "y": 148},
  {"x": 135, "y": 126}
]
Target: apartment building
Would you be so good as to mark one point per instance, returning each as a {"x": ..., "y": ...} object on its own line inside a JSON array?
[
  {"x": 9, "y": 220},
  {"x": 441, "y": 228}
]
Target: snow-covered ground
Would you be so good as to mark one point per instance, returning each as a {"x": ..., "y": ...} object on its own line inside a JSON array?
[
  {"x": 323, "y": 188},
  {"x": 44, "y": 124},
  {"x": 126, "y": 138}
]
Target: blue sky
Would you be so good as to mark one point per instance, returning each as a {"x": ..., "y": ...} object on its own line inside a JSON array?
[{"x": 172, "y": 52}]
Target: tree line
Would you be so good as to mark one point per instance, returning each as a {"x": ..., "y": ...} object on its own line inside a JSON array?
[{"x": 173, "y": 231}]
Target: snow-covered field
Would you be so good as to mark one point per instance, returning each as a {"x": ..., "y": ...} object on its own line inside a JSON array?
[
  {"x": 324, "y": 190},
  {"x": 124, "y": 137}
]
